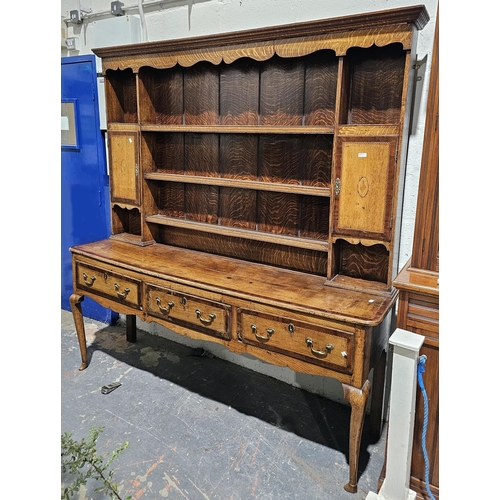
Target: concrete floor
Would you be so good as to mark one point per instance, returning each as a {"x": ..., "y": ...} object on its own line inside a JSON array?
[{"x": 203, "y": 428}]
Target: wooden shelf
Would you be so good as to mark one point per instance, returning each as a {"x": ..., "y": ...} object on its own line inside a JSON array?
[
  {"x": 348, "y": 283},
  {"x": 368, "y": 130},
  {"x": 123, "y": 127},
  {"x": 238, "y": 129},
  {"x": 243, "y": 184},
  {"x": 131, "y": 238},
  {"x": 279, "y": 239}
]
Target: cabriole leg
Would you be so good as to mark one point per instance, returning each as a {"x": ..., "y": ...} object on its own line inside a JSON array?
[
  {"x": 357, "y": 399},
  {"x": 76, "y": 307}
]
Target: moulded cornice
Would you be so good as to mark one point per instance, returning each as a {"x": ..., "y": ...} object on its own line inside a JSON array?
[{"x": 416, "y": 15}]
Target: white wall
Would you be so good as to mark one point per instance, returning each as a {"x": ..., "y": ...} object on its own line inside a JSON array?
[{"x": 173, "y": 19}]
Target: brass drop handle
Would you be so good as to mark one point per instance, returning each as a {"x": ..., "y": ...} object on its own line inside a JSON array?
[
  {"x": 88, "y": 283},
  {"x": 163, "y": 309},
  {"x": 205, "y": 321},
  {"x": 319, "y": 354},
  {"x": 123, "y": 294},
  {"x": 269, "y": 332}
]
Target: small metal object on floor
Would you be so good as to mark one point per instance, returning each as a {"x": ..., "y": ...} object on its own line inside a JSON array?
[
  {"x": 199, "y": 427},
  {"x": 106, "y": 389}
]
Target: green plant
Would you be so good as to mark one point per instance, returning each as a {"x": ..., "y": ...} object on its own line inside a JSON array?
[{"x": 81, "y": 460}]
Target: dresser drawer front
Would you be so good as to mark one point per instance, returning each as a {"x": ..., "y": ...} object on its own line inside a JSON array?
[
  {"x": 315, "y": 344},
  {"x": 203, "y": 315},
  {"x": 109, "y": 283}
]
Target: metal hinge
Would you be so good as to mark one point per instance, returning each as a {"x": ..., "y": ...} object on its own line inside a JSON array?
[
  {"x": 136, "y": 169},
  {"x": 337, "y": 186}
]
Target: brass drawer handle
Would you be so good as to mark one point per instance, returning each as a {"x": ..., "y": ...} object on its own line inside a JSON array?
[
  {"x": 88, "y": 283},
  {"x": 123, "y": 294},
  {"x": 319, "y": 354},
  {"x": 163, "y": 309},
  {"x": 270, "y": 331},
  {"x": 205, "y": 321}
]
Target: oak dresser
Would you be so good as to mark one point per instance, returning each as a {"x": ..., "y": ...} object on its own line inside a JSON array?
[{"x": 256, "y": 185}]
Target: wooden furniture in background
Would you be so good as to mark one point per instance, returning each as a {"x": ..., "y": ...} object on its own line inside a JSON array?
[
  {"x": 418, "y": 284},
  {"x": 256, "y": 193}
]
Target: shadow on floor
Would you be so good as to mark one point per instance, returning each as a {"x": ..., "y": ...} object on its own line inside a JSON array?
[{"x": 288, "y": 408}]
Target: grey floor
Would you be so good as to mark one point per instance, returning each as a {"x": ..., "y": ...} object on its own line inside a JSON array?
[{"x": 203, "y": 428}]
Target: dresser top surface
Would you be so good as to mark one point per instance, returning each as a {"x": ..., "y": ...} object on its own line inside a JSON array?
[{"x": 246, "y": 280}]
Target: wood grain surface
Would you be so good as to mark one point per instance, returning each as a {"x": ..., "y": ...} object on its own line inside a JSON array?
[{"x": 377, "y": 84}]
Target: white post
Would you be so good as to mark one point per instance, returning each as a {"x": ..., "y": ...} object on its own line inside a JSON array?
[{"x": 396, "y": 486}]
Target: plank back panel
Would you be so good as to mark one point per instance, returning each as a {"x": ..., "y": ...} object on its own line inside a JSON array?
[
  {"x": 300, "y": 259},
  {"x": 280, "y": 159},
  {"x": 202, "y": 158},
  {"x": 238, "y": 160},
  {"x": 321, "y": 72},
  {"x": 238, "y": 208},
  {"x": 121, "y": 103},
  {"x": 126, "y": 221},
  {"x": 377, "y": 84},
  {"x": 166, "y": 152},
  {"x": 316, "y": 160},
  {"x": 165, "y": 90},
  {"x": 278, "y": 213},
  {"x": 239, "y": 93},
  {"x": 314, "y": 217},
  {"x": 170, "y": 198},
  {"x": 358, "y": 261},
  {"x": 201, "y": 95},
  {"x": 239, "y": 156},
  {"x": 282, "y": 92}
]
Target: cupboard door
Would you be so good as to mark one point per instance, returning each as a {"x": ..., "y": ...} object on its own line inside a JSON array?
[
  {"x": 364, "y": 186},
  {"x": 124, "y": 167}
]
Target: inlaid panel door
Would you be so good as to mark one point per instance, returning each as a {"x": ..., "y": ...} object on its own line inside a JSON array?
[
  {"x": 124, "y": 167},
  {"x": 364, "y": 176}
]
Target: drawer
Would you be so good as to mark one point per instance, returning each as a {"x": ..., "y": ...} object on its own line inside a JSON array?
[
  {"x": 109, "y": 283},
  {"x": 308, "y": 342},
  {"x": 423, "y": 315},
  {"x": 203, "y": 315}
]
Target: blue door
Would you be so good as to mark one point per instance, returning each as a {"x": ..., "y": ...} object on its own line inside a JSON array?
[{"x": 84, "y": 179}]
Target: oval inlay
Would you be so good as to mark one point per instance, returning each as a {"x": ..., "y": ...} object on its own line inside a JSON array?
[{"x": 363, "y": 187}]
